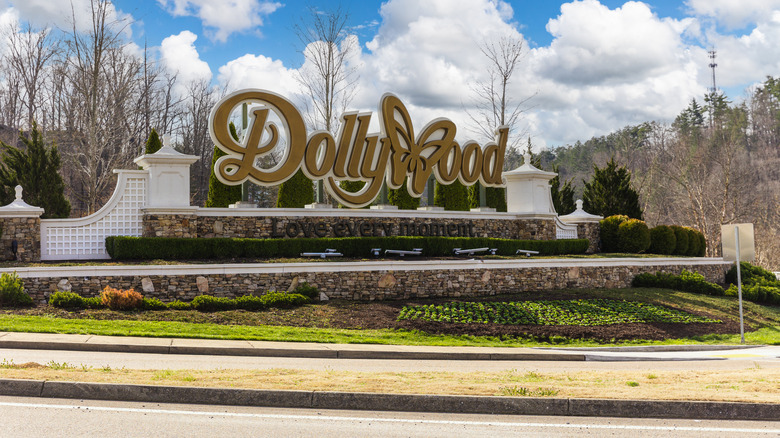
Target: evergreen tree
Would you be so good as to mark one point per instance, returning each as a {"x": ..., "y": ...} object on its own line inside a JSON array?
[
  {"x": 563, "y": 197},
  {"x": 401, "y": 198},
  {"x": 153, "y": 143},
  {"x": 220, "y": 195},
  {"x": 37, "y": 169},
  {"x": 609, "y": 192},
  {"x": 495, "y": 197},
  {"x": 351, "y": 187},
  {"x": 296, "y": 192},
  {"x": 454, "y": 196}
]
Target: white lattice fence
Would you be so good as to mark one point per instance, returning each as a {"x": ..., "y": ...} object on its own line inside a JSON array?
[
  {"x": 565, "y": 231},
  {"x": 85, "y": 238}
]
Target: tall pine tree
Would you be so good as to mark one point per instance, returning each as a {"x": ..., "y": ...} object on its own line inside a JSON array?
[
  {"x": 220, "y": 195},
  {"x": 562, "y": 196},
  {"x": 153, "y": 143},
  {"x": 37, "y": 169},
  {"x": 609, "y": 192}
]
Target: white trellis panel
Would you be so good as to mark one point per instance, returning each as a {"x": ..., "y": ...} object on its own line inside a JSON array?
[
  {"x": 85, "y": 238},
  {"x": 565, "y": 231}
]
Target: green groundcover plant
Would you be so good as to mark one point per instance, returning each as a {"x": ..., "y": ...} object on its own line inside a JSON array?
[{"x": 587, "y": 312}]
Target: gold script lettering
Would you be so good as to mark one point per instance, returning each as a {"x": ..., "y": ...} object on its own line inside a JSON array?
[{"x": 393, "y": 156}]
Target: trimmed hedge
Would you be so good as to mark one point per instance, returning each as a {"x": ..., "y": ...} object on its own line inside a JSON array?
[
  {"x": 633, "y": 236},
  {"x": 750, "y": 274},
  {"x": 150, "y": 248},
  {"x": 681, "y": 237},
  {"x": 609, "y": 232},
  {"x": 687, "y": 281},
  {"x": 662, "y": 240}
]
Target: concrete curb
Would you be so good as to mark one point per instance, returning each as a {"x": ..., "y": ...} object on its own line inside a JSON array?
[
  {"x": 333, "y": 352},
  {"x": 699, "y": 410}
]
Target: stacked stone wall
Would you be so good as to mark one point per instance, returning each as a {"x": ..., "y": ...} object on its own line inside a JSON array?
[{"x": 363, "y": 284}]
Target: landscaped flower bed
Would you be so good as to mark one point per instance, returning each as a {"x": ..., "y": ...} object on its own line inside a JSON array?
[{"x": 588, "y": 312}]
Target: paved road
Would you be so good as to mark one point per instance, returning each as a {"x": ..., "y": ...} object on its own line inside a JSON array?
[
  {"x": 40, "y": 418},
  {"x": 765, "y": 357}
]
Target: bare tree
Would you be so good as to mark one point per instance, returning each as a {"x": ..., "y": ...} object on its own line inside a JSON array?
[
  {"x": 29, "y": 54},
  {"x": 193, "y": 132},
  {"x": 494, "y": 105},
  {"x": 326, "y": 77}
]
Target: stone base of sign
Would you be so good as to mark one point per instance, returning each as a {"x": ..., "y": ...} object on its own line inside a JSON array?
[
  {"x": 264, "y": 227},
  {"x": 382, "y": 280},
  {"x": 26, "y": 231},
  {"x": 170, "y": 225},
  {"x": 592, "y": 232}
]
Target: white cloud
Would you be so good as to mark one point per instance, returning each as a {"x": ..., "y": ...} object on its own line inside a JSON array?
[
  {"x": 223, "y": 17},
  {"x": 179, "y": 55},
  {"x": 258, "y": 71},
  {"x": 732, "y": 13},
  {"x": 61, "y": 13}
]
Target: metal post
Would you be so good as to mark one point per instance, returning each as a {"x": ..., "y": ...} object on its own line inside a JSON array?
[
  {"x": 244, "y": 124},
  {"x": 739, "y": 287}
]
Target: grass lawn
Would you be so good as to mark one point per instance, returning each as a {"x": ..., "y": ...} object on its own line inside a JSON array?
[{"x": 763, "y": 322}]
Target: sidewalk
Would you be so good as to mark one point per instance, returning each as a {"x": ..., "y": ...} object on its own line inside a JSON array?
[{"x": 209, "y": 347}]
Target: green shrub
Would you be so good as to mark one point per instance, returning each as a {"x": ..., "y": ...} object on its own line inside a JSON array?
[
  {"x": 308, "y": 291},
  {"x": 687, "y": 282},
  {"x": 693, "y": 242},
  {"x": 609, "y": 232},
  {"x": 633, "y": 236},
  {"x": 93, "y": 302},
  {"x": 681, "y": 237},
  {"x": 12, "y": 292},
  {"x": 250, "y": 302},
  {"x": 495, "y": 197},
  {"x": 150, "y": 248},
  {"x": 152, "y": 304},
  {"x": 662, "y": 240},
  {"x": 751, "y": 274},
  {"x": 702, "y": 244},
  {"x": 208, "y": 303},
  {"x": 178, "y": 305},
  {"x": 758, "y": 293},
  {"x": 282, "y": 300},
  {"x": 67, "y": 300}
]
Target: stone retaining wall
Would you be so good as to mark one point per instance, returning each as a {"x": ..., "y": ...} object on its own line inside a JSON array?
[{"x": 368, "y": 280}]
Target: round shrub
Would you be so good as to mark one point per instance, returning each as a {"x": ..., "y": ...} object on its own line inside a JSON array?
[
  {"x": 633, "y": 236},
  {"x": 307, "y": 290},
  {"x": 609, "y": 232},
  {"x": 693, "y": 242},
  {"x": 662, "y": 240},
  {"x": 152, "y": 304},
  {"x": 207, "y": 303},
  {"x": 702, "y": 244},
  {"x": 118, "y": 299},
  {"x": 178, "y": 305},
  {"x": 681, "y": 236},
  {"x": 66, "y": 300}
]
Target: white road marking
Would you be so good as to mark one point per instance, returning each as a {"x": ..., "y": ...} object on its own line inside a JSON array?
[{"x": 395, "y": 420}]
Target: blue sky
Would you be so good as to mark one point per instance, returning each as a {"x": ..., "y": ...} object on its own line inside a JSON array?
[{"x": 590, "y": 66}]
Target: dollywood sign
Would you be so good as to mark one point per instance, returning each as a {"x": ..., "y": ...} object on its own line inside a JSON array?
[{"x": 392, "y": 156}]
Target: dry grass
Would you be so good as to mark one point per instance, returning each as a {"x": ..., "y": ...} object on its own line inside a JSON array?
[{"x": 755, "y": 384}]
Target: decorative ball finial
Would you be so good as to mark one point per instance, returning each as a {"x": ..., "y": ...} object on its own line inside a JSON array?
[{"x": 18, "y": 192}]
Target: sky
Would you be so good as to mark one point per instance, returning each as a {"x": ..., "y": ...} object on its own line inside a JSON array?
[{"x": 589, "y": 67}]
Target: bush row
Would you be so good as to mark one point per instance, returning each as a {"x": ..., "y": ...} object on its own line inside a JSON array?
[
  {"x": 130, "y": 300},
  {"x": 687, "y": 281},
  {"x": 619, "y": 233},
  {"x": 758, "y": 284},
  {"x": 148, "y": 248}
]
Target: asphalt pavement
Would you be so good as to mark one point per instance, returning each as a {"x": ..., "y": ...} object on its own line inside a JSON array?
[{"x": 389, "y": 402}]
